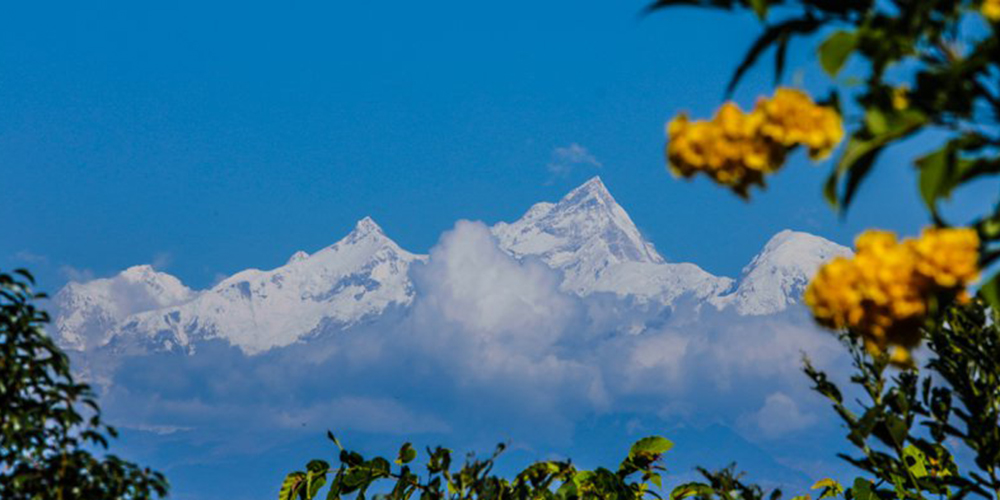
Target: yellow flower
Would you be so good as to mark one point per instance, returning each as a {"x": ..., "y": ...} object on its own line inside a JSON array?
[
  {"x": 792, "y": 118},
  {"x": 727, "y": 148},
  {"x": 948, "y": 256},
  {"x": 737, "y": 149},
  {"x": 884, "y": 291},
  {"x": 834, "y": 295},
  {"x": 991, "y": 10}
]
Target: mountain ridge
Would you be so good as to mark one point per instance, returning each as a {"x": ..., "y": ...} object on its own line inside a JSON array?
[{"x": 586, "y": 236}]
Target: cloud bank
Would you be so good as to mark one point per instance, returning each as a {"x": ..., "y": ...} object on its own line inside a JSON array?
[{"x": 491, "y": 349}]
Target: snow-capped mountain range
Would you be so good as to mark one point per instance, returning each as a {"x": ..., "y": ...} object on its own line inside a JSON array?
[{"x": 586, "y": 236}]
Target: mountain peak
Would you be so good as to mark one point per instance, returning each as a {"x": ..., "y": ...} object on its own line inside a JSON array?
[
  {"x": 87, "y": 312},
  {"x": 795, "y": 249},
  {"x": 591, "y": 192},
  {"x": 298, "y": 257},
  {"x": 790, "y": 237},
  {"x": 365, "y": 230},
  {"x": 585, "y": 234},
  {"x": 142, "y": 271},
  {"x": 594, "y": 184},
  {"x": 367, "y": 226},
  {"x": 777, "y": 276}
]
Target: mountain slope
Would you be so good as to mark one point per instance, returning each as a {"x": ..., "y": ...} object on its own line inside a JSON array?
[
  {"x": 778, "y": 275},
  {"x": 356, "y": 278},
  {"x": 590, "y": 238},
  {"x": 87, "y": 313},
  {"x": 586, "y": 236}
]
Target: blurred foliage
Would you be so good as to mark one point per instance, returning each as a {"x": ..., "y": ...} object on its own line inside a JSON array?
[
  {"x": 638, "y": 476},
  {"x": 918, "y": 66},
  {"x": 911, "y": 425},
  {"x": 49, "y": 424}
]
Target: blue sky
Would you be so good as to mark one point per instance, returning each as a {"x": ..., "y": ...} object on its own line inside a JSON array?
[{"x": 209, "y": 137}]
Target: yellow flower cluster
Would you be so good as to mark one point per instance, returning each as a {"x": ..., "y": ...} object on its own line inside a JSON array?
[
  {"x": 991, "y": 10},
  {"x": 883, "y": 292},
  {"x": 737, "y": 149},
  {"x": 791, "y": 118},
  {"x": 728, "y": 148}
]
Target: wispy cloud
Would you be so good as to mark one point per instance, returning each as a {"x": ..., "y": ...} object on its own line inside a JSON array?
[
  {"x": 566, "y": 159},
  {"x": 31, "y": 257},
  {"x": 779, "y": 416},
  {"x": 162, "y": 260},
  {"x": 79, "y": 275}
]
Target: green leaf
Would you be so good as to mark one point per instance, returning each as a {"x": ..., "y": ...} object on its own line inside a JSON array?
[
  {"x": 771, "y": 35},
  {"x": 898, "y": 429},
  {"x": 654, "y": 445},
  {"x": 835, "y": 50},
  {"x": 900, "y": 487},
  {"x": 990, "y": 292},
  {"x": 944, "y": 170},
  {"x": 862, "y": 490},
  {"x": 759, "y": 8},
  {"x": 335, "y": 486},
  {"x": 569, "y": 489},
  {"x": 857, "y": 173},
  {"x": 663, "y": 4},
  {"x": 318, "y": 466},
  {"x": 291, "y": 485},
  {"x": 315, "y": 478},
  {"x": 379, "y": 466},
  {"x": 406, "y": 454},
  {"x": 691, "y": 490},
  {"x": 862, "y": 151},
  {"x": 915, "y": 461},
  {"x": 314, "y": 481},
  {"x": 830, "y": 487},
  {"x": 933, "y": 171},
  {"x": 333, "y": 438},
  {"x": 876, "y": 121}
]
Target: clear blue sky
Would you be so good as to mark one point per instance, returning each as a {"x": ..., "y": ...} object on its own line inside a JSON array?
[{"x": 214, "y": 136}]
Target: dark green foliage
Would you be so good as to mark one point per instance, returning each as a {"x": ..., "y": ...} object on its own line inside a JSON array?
[
  {"x": 908, "y": 426},
  {"x": 635, "y": 478},
  {"x": 48, "y": 422}
]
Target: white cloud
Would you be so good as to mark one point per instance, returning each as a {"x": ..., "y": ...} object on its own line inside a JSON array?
[
  {"x": 366, "y": 414},
  {"x": 780, "y": 415},
  {"x": 493, "y": 348},
  {"x": 469, "y": 283},
  {"x": 565, "y": 159},
  {"x": 162, "y": 260},
  {"x": 497, "y": 325},
  {"x": 31, "y": 257},
  {"x": 79, "y": 275}
]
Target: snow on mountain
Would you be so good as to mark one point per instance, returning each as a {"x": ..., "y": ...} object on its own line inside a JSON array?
[
  {"x": 778, "y": 275},
  {"x": 591, "y": 239},
  {"x": 587, "y": 236},
  {"x": 356, "y": 278},
  {"x": 87, "y": 313}
]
